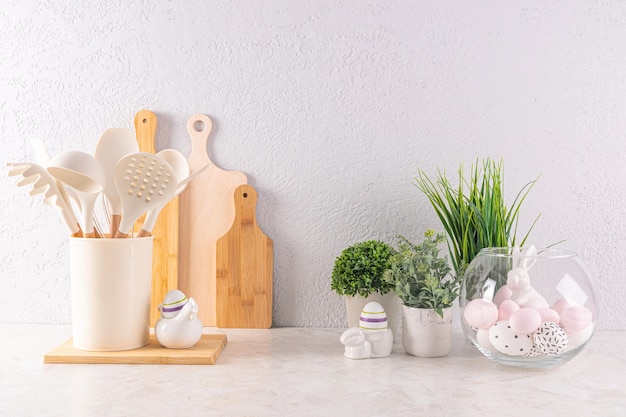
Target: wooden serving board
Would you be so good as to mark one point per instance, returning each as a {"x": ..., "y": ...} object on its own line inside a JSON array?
[
  {"x": 165, "y": 231},
  {"x": 205, "y": 352},
  {"x": 244, "y": 268},
  {"x": 207, "y": 212}
]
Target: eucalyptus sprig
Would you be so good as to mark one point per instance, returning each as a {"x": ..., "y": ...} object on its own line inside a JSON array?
[
  {"x": 473, "y": 213},
  {"x": 420, "y": 276}
]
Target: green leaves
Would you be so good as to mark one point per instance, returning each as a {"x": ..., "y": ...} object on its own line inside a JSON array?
[
  {"x": 420, "y": 277},
  {"x": 359, "y": 269},
  {"x": 473, "y": 214}
]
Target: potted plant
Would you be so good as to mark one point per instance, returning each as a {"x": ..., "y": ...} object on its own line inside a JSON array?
[
  {"x": 473, "y": 213},
  {"x": 422, "y": 280},
  {"x": 358, "y": 275}
]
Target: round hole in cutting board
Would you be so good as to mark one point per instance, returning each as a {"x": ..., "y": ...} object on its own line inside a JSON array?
[
  {"x": 245, "y": 195},
  {"x": 144, "y": 121},
  {"x": 199, "y": 126}
]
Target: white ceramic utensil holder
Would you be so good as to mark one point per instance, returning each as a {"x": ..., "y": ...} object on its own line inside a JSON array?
[{"x": 111, "y": 290}]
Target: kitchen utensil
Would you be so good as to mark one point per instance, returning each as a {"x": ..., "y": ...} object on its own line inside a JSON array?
[
  {"x": 43, "y": 183},
  {"x": 208, "y": 212},
  {"x": 181, "y": 168},
  {"x": 42, "y": 156},
  {"x": 146, "y": 229},
  {"x": 86, "y": 176},
  {"x": 112, "y": 146},
  {"x": 244, "y": 268},
  {"x": 144, "y": 181}
]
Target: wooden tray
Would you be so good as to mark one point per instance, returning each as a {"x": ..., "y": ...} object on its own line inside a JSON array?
[{"x": 205, "y": 352}]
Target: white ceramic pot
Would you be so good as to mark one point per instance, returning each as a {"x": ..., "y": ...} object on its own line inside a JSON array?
[
  {"x": 425, "y": 333},
  {"x": 390, "y": 302},
  {"x": 111, "y": 292}
]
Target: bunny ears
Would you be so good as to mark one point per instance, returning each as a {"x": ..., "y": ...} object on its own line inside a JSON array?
[{"x": 524, "y": 260}]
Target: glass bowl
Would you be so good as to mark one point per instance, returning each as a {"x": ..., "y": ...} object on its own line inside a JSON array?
[{"x": 528, "y": 308}]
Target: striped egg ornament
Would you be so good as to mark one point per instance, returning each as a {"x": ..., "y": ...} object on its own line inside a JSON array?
[
  {"x": 373, "y": 317},
  {"x": 174, "y": 301}
]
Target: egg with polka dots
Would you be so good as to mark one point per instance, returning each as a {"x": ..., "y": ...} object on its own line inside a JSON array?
[{"x": 507, "y": 341}]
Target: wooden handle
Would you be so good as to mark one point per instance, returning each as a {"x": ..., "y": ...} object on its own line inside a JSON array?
[
  {"x": 245, "y": 201},
  {"x": 199, "y": 127},
  {"x": 145, "y": 128}
]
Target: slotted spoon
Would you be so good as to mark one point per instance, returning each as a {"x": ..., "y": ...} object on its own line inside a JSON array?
[{"x": 144, "y": 181}]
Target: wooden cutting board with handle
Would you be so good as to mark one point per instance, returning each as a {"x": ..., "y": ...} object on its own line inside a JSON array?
[
  {"x": 245, "y": 268},
  {"x": 207, "y": 212},
  {"x": 165, "y": 232}
]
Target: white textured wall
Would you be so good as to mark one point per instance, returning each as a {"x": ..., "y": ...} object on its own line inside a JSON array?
[{"x": 329, "y": 107}]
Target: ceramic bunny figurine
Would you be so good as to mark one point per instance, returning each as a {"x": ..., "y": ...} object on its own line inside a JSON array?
[
  {"x": 179, "y": 326},
  {"x": 372, "y": 339},
  {"x": 518, "y": 280}
]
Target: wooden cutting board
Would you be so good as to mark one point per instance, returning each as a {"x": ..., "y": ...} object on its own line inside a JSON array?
[
  {"x": 165, "y": 231},
  {"x": 244, "y": 268},
  {"x": 207, "y": 212},
  {"x": 205, "y": 352}
]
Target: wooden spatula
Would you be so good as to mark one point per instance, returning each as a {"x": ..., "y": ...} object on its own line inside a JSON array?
[
  {"x": 245, "y": 268},
  {"x": 165, "y": 231}
]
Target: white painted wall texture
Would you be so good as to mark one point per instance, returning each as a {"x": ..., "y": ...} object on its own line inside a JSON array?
[{"x": 329, "y": 107}]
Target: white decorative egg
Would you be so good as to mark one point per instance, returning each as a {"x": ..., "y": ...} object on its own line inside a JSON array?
[
  {"x": 578, "y": 338},
  {"x": 550, "y": 339},
  {"x": 373, "y": 317},
  {"x": 173, "y": 302},
  {"x": 482, "y": 337},
  {"x": 509, "y": 342}
]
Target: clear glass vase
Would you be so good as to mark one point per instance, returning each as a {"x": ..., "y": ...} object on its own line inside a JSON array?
[{"x": 528, "y": 308}]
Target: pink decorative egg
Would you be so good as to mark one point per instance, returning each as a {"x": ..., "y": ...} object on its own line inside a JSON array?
[
  {"x": 575, "y": 319},
  {"x": 480, "y": 313},
  {"x": 504, "y": 293},
  {"x": 507, "y": 308},
  {"x": 549, "y": 315},
  {"x": 561, "y": 305},
  {"x": 525, "y": 320}
]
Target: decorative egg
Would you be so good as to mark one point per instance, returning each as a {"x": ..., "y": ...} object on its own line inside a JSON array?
[
  {"x": 373, "y": 317},
  {"x": 525, "y": 320},
  {"x": 575, "y": 319},
  {"x": 561, "y": 305},
  {"x": 505, "y": 340},
  {"x": 577, "y": 339},
  {"x": 480, "y": 313},
  {"x": 173, "y": 302},
  {"x": 550, "y": 339},
  {"x": 482, "y": 337},
  {"x": 533, "y": 352},
  {"x": 549, "y": 314},
  {"x": 504, "y": 293},
  {"x": 507, "y": 307}
]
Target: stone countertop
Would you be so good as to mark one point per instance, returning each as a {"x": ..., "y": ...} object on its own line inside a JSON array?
[{"x": 302, "y": 372}]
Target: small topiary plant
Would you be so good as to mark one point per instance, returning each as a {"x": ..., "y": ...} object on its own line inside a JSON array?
[{"x": 359, "y": 269}]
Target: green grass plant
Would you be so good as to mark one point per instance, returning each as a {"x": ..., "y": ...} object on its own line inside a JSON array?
[{"x": 473, "y": 213}]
